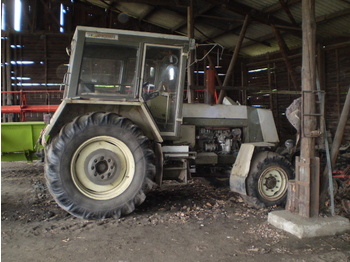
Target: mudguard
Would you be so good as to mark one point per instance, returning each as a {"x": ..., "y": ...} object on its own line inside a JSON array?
[{"x": 242, "y": 165}]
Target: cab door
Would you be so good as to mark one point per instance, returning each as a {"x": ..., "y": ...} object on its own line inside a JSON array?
[{"x": 162, "y": 83}]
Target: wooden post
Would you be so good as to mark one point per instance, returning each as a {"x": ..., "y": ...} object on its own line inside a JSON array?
[
  {"x": 190, "y": 71},
  {"x": 308, "y": 165},
  {"x": 234, "y": 59}
]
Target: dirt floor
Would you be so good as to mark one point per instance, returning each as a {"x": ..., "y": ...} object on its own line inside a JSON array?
[{"x": 194, "y": 222}]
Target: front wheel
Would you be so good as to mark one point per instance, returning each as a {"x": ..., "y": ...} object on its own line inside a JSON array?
[
  {"x": 99, "y": 166},
  {"x": 267, "y": 182}
]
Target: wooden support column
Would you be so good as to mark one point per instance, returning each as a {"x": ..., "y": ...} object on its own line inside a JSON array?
[
  {"x": 234, "y": 59},
  {"x": 190, "y": 70},
  {"x": 307, "y": 180},
  {"x": 284, "y": 50}
]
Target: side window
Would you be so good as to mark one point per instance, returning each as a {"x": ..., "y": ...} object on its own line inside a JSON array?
[{"x": 160, "y": 84}]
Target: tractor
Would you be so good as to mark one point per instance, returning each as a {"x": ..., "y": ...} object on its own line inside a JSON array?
[{"x": 123, "y": 128}]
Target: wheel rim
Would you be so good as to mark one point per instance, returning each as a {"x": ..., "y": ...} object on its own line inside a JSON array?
[
  {"x": 102, "y": 167},
  {"x": 273, "y": 183}
]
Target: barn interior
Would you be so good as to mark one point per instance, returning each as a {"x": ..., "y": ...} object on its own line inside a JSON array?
[{"x": 264, "y": 54}]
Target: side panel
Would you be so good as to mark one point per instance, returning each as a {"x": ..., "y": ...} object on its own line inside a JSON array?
[
  {"x": 214, "y": 111},
  {"x": 18, "y": 140},
  {"x": 268, "y": 127}
]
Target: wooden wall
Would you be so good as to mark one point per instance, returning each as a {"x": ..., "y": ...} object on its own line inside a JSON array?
[
  {"x": 337, "y": 84},
  {"x": 334, "y": 68}
]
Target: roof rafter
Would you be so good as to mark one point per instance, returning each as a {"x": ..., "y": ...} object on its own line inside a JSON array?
[
  {"x": 328, "y": 17},
  {"x": 255, "y": 14},
  {"x": 277, "y": 7},
  {"x": 182, "y": 3}
]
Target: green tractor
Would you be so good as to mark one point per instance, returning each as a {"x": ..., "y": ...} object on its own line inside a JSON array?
[{"x": 123, "y": 128}]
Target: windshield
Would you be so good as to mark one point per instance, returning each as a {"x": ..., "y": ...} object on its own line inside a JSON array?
[{"x": 108, "y": 70}]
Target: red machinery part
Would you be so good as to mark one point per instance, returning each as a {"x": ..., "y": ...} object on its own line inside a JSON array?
[{"x": 24, "y": 108}]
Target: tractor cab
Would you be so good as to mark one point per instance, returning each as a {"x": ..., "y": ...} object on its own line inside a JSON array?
[{"x": 116, "y": 65}]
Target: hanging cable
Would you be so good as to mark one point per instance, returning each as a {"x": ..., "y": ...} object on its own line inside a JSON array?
[{"x": 211, "y": 49}]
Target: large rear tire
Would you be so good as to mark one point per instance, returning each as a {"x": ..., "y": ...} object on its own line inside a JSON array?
[
  {"x": 267, "y": 182},
  {"x": 100, "y": 165}
]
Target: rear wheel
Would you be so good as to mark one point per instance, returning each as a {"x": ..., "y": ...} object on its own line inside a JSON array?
[
  {"x": 267, "y": 182},
  {"x": 100, "y": 165}
]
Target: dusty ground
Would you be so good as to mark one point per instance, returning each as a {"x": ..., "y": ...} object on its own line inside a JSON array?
[{"x": 196, "y": 222}]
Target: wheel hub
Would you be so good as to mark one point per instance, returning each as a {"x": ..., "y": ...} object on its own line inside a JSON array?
[
  {"x": 271, "y": 182},
  {"x": 101, "y": 167}
]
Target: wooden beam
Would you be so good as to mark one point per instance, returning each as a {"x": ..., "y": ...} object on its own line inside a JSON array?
[
  {"x": 326, "y": 18},
  {"x": 54, "y": 17},
  {"x": 233, "y": 31},
  {"x": 259, "y": 63},
  {"x": 253, "y": 13},
  {"x": 203, "y": 34},
  {"x": 148, "y": 14},
  {"x": 284, "y": 51},
  {"x": 277, "y": 7},
  {"x": 222, "y": 18},
  {"x": 157, "y": 2},
  {"x": 229, "y": 73},
  {"x": 288, "y": 12},
  {"x": 200, "y": 12}
]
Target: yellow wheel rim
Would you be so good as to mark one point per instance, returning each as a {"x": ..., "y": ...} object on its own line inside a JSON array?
[
  {"x": 273, "y": 183},
  {"x": 102, "y": 167}
]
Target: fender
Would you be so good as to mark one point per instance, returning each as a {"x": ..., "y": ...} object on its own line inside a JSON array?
[
  {"x": 242, "y": 166},
  {"x": 134, "y": 110}
]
